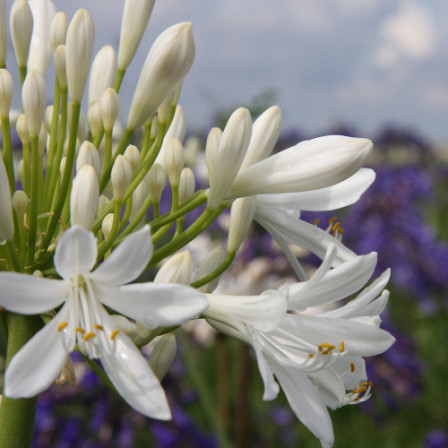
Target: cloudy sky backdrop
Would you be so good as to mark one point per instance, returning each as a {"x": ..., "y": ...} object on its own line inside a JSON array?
[{"x": 362, "y": 62}]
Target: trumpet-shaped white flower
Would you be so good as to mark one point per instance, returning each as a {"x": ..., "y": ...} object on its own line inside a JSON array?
[
  {"x": 316, "y": 357},
  {"x": 82, "y": 318}
]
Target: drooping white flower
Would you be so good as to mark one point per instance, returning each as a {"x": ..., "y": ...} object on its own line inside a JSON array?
[
  {"x": 82, "y": 318},
  {"x": 316, "y": 357}
]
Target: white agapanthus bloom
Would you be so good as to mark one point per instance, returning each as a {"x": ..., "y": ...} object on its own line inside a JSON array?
[
  {"x": 81, "y": 295},
  {"x": 316, "y": 356}
]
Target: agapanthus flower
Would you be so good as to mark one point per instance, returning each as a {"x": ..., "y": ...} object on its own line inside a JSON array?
[
  {"x": 315, "y": 349},
  {"x": 82, "y": 318}
]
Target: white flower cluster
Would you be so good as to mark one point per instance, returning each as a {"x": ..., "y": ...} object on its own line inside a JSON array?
[{"x": 76, "y": 231}]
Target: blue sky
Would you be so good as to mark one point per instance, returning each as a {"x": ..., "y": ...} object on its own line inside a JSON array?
[{"x": 360, "y": 62}]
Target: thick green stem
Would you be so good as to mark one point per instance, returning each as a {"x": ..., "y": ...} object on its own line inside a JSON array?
[{"x": 17, "y": 415}]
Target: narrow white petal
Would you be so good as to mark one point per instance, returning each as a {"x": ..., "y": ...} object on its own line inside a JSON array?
[
  {"x": 75, "y": 252},
  {"x": 329, "y": 198},
  {"x": 336, "y": 284},
  {"x": 154, "y": 304},
  {"x": 37, "y": 365},
  {"x": 27, "y": 294},
  {"x": 359, "y": 339},
  {"x": 127, "y": 261},
  {"x": 294, "y": 230},
  {"x": 132, "y": 377},
  {"x": 330, "y": 387},
  {"x": 365, "y": 303},
  {"x": 264, "y": 312},
  {"x": 305, "y": 402}
]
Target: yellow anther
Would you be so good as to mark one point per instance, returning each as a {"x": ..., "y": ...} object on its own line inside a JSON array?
[
  {"x": 332, "y": 220},
  {"x": 341, "y": 347},
  {"x": 366, "y": 384},
  {"x": 62, "y": 325},
  {"x": 337, "y": 228},
  {"x": 113, "y": 334},
  {"x": 360, "y": 390},
  {"x": 316, "y": 222},
  {"x": 99, "y": 327},
  {"x": 80, "y": 330},
  {"x": 89, "y": 335},
  {"x": 311, "y": 355},
  {"x": 326, "y": 348},
  {"x": 352, "y": 366}
]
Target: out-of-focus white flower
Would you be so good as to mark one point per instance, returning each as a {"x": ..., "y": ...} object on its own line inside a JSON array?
[{"x": 83, "y": 319}]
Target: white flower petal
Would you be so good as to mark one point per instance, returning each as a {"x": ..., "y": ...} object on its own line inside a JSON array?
[
  {"x": 309, "y": 165},
  {"x": 127, "y": 261},
  {"x": 75, "y": 252},
  {"x": 330, "y": 387},
  {"x": 27, "y": 294},
  {"x": 289, "y": 227},
  {"x": 154, "y": 304},
  {"x": 264, "y": 312},
  {"x": 35, "y": 367},
  {"x": 334, "y": 197},
  {"x": 359, "y": 339},
  {"x": 132, "y": 377},
  {"x": 305, "y": 402},
  {"x": 336, "y": 284}
]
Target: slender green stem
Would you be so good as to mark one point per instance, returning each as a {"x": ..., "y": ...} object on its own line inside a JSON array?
[
  {"x": 67, "y": 176},
  {"x": 34, "y": 202},
  {"x": 17, "y": 415},
  {"x": 107, "y": 244},
  {"x": 26, "y": 168},
  {"x": 119, "y": 79},
  {"x": 7, "y": 152},
  {"x": 107, "y": 152},
  {"x": 22, "y": 72},
  {"x": 216, "y": 273},
  {"x": 205, "y": 396},
  {"x": 207, "y": 217}
]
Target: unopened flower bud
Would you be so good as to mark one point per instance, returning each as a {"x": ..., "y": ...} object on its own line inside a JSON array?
[
  {"x": 241, "y": 216},
  {"x": 84, "y": 197},
  {"x": 174, "y": 160},
  {"x": 156, "y": 181},
  {"x": 22, "y": 129},
  {"x": 132, "y": 155},
  {"x": 212, "y": 262},
  {"x": 163, "y": 354},
  {"x": 19, "y": 171},
  {"x": 163, "y": 111},
  {"x": 21, "y": 24},
  {"x": 187, "y": 184},
  {"x": 48, "y": 117},
  {"x": 79, "y": 48},
  {"x": 58, "y": 30},
  {"x": 136, "y": 14},
  {"x": 34, "y": 99},
  {"x": 102, "y": 203},
  {"x": 176, "y": 131},
  {"x": 60, "y": 66},
  {"x": 168, "y": 62},
  {"x": 211, "y": 151},
  {"x": 102, "y": 73},
  {"x": 106, "y": 225},
  {"x": 176, "y": 270},
  {"x": 88, "y": 155},
  {"x": 6, "y": 92},
  {"x": 94, "y": 118},
  {"x": 121, "y": 176},
  {"x": 19, "y": 203},
  {"x": 265, "y": 134},
  {"x": 6, "y": 220},
  {"x": 3, "y": 33},
  {"x": 110, "y": 106},
  {"x": 40, "y": 52},
  {"x": 154, "y": 127},
  {"x": 229, "y": 155}
]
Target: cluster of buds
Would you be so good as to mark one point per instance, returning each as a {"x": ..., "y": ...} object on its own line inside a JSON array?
[{"x": 76, "y": 199}]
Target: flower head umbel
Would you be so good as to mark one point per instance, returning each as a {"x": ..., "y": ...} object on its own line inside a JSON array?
[{"x": 83, "y": 320}]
